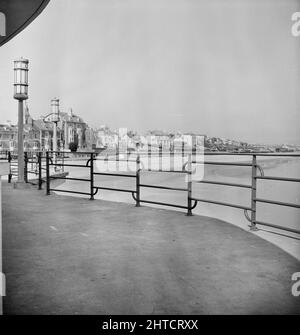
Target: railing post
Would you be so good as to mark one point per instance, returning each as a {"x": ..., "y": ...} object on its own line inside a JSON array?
[
  {"x": 63, "y": 162},
  {"x": 172, "y": 149},
  {"x": 25, "y": 167},
  {"x": 9, "y": 161},
  {"x": 149, "y": 156},
  {"x": 138, "y": 170},
  {"x": 92, "y": 177},
  {"x": 47, "y": 174},
  {"x": 117, "y": 157},
  {"x": 253, "y": 194},
  {"x": 40, "y": 170},
  {"x": 160, "y": 157},
  {"x": 189, "y": 185}
]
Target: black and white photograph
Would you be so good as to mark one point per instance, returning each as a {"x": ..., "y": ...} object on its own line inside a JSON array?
[{"x": 149, "y": 160}]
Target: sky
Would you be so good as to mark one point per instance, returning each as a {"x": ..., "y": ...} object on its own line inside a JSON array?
[{"x": 225, "y": 68}]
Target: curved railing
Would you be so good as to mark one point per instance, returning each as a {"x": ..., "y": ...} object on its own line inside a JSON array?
[
  {"x": 257, "y": 173},
  {"x": 253, "y": 187}
]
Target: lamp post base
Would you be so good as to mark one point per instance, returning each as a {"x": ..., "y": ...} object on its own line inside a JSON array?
[{"x": 21, "y": 185}]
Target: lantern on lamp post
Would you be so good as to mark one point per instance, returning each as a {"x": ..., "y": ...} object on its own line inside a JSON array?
[
  {"x": 55, "y": 119},
  {"x": 20, "y": 94}
]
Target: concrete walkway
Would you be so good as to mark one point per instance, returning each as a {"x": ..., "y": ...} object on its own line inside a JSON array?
[{"x": 65, "y": 255}]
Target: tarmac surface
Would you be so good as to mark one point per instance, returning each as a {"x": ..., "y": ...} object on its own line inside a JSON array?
[{"x": 67, "y": 255}]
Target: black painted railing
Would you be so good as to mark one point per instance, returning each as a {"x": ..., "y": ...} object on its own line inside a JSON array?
[
  {"x": 253, "y": 187},
  {"x": 50, "y": 161}
]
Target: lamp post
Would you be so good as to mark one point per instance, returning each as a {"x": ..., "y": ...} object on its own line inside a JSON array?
[
  {"x": 55, "y": 119},
  {"x": 20, "y": 94}
]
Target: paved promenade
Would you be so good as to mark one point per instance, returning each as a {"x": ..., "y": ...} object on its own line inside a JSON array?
[{"x": 75, "y": 256}]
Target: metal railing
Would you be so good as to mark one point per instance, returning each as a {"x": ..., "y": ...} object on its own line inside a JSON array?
[
  {"x": 253, "y": 187},
  {"x": 12, "y": 159},
  {"x": 257, "y": 173},
  {"x": 192, "y": 201},
  {"x": 90, "y": 165},
  {"x": 4, "y": 155},
  {"x": 34, "y": 165}
]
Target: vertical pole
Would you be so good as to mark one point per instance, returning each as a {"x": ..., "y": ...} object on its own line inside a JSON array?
[
  {"x": 47, "y": 174},
  {"x": 253, "y": 194},
  {"x": 92, "y": 177},
  {"x": 182, "y": 153},
  {"x": 189, "y": 186},
  {"x": 117, "y": 157},
  {"x": 138, "y": 167},
  {"x": 20, "y": 143},
  {"x": 26, "y": 167},
  {"x": 106, "y": 162},
  {"x": 9, "y": 161},
  {"x": 194, "y": 146},
  {"x": 149, "y": 156},
  {"x": 54, "y": 144},
  {"x": 172, "y": 149},
  {"x": 40, "y": 170},
  {"x": 63, "y": 162},
  {"x": 160, "y": 157}
]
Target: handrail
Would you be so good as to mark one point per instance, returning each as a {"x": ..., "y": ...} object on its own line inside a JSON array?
[
  {"x": 114, "y": 189},
  {"x": 257, "y": 174},
  {"x": 253, "y": 186},
  {"x": 164, "y": 187},
  {"x": 68, "y": 178},
  {"x": 168, "y": 171},
  {"x": 71, "y": 165},
  {"x": 104, "y": 159},
  {"x": 280, "y": 203},
  {"x": 288, "y": 154},
  {"x": 114, "y": 174},
  {"x": 278, "y": 178},
  {"x": 296, "y": 231},
  {"x": 222, "y": 203},
  {"x": 222, "y": 163},
  {"x": 223, "y": 183}
]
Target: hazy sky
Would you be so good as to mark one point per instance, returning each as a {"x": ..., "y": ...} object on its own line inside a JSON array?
[{"x": 227, "y": 68}]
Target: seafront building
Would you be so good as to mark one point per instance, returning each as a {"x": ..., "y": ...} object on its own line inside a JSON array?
[
  {"x": 106, "y": 138},
  {"x": 38, "y": 136},
  {"x": 8, "y": 137},
  {"x": 72, "y": 128},
  {"x": 38, "y": 133}
]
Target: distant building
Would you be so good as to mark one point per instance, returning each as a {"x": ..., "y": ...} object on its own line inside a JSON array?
[
  {"x": 157, "y": 138},
  {"x": 38, "y": 134},
  {"x": 8, "y": 137},
  {"x": 90, "y": 138},
  {"x": 106, "y": 138},
  {"x": 73, "y": 129}
]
